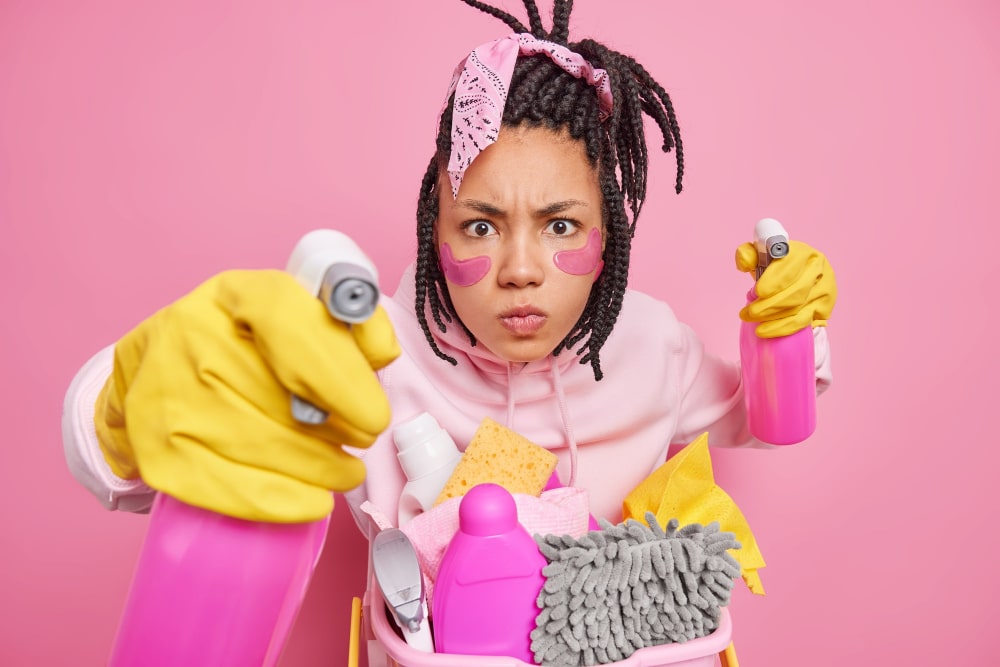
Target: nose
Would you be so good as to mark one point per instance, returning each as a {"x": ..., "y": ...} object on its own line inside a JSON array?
[{"x": 522, "y": 262}]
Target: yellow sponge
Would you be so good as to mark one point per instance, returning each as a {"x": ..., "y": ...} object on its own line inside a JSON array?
[{"x": 501, "y": 456}]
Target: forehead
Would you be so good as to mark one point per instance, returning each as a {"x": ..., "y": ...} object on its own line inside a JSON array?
[{"x": 531, "y": 163}]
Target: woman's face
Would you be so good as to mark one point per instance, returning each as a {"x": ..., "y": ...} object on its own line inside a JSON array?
[{"x": 521, "y": 245}]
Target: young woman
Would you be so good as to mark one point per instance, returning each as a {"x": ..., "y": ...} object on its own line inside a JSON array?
[{"x": 516, "y": 309}]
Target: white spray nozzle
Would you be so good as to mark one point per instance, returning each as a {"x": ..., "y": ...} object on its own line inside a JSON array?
[
  {"x": 332, "y": 267},
  {"x": 771, "y": 241}
]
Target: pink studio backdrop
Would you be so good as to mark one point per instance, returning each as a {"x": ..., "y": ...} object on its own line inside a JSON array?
[{"x": 145, "y": 146}]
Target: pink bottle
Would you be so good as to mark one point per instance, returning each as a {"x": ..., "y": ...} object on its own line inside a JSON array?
[
  {"x": 779, "y": 374},
  {"x": 213, "y": 590},
  {"x": 486, "y": 590}
]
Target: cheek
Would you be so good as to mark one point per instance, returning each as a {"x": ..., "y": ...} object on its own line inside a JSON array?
[
  {"x": 463, "y": 272},
  {"x": 583, "y": 260}
]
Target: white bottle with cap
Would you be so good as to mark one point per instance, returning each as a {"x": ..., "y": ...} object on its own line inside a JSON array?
[{"x": 428, "y": 456}]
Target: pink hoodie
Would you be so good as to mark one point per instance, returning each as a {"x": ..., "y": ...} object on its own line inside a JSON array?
[{"x": 659, "y": 388}]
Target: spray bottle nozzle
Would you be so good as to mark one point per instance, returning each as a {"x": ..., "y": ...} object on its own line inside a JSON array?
[{"x": 771, "y": 241}]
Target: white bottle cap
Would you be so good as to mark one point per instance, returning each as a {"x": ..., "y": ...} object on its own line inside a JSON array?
[{"x": 424, "y": 447}]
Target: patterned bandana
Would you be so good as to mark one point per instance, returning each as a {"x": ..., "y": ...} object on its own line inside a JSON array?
[{"x": 480, "y": 85}]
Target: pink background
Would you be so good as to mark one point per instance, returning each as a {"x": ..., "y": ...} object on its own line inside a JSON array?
[{"x": 145, "y": 146}]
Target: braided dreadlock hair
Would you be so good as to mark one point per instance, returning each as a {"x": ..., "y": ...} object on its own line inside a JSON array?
[{"x": 541, "y": 94}]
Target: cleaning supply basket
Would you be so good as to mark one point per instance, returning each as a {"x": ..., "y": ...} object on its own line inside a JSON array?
[{"x": 387, "y": 649}]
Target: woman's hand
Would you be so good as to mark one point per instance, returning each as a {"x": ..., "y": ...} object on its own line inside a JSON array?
[
  {"x": 794, "y": 292},
  {"x": 199, "y": 403}
]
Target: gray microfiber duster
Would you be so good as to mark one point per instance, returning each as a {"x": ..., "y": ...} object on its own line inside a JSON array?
[{"x": 628, "y": 586}]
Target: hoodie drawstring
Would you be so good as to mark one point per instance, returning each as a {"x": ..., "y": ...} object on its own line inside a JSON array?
[
  {"x": 564, "y": 413},
  {"x": 510, "y": 396}
]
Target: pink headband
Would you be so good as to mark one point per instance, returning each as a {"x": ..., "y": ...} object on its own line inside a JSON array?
[{"x": 480, "y": 85}]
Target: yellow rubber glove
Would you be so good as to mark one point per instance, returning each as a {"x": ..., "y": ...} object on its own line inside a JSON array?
[
  {"x": 199, "y": 403},
  {"x": 794, "y": 292}
]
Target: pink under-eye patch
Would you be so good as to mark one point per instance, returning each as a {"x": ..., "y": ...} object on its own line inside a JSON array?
[
  {"x": 583, "y": 260},
  {"x": 463, "y": 272}
]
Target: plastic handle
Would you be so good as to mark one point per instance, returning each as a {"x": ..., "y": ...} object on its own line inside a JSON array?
[{"x": 353, "y": 647}]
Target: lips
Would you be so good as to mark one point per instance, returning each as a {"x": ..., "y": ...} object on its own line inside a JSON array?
[{"x": 523, "y": 321}]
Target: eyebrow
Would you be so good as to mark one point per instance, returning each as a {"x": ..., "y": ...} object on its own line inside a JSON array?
[{"x": 487, "y": 208}]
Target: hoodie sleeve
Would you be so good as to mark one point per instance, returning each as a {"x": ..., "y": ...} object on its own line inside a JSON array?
[
  {"x": 83, "y": 453},
  {"x": 713, "y": 393}
]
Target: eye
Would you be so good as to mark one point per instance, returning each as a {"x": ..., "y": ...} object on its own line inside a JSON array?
[
  {"x": 561, "y": 227},
  {"x": 479, "y": 228}
]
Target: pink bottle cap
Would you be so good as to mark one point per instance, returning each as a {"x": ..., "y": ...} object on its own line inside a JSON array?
[{"x": 487, "y": 509}]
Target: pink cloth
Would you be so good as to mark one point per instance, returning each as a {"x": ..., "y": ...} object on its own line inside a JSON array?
[{"x": 481, "y": 83}]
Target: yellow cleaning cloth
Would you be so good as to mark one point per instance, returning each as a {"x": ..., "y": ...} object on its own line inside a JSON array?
[{"x": 684, "y": 488}]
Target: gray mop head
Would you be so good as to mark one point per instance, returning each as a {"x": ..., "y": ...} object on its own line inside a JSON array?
[{"x": 628, "y": 586}]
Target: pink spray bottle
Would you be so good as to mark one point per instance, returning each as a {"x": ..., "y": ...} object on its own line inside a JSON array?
[
  {"x": 779, "y": 374},
  {"x": 210, "y": 589}
]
